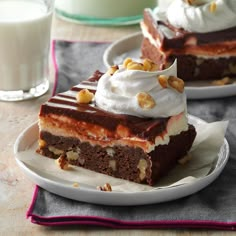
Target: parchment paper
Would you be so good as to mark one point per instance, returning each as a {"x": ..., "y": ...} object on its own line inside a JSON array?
[{"x": 203, "y": 158}]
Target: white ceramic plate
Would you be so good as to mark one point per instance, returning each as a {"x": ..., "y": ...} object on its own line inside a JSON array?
[
  {"x": 130, "y": 47},
  {"x": 28, "y": 138}
]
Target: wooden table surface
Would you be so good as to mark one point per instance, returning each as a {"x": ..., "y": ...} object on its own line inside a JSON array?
[{"x": 15, "y": 188}]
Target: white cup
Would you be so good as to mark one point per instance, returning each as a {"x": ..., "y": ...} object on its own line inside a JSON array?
[
  {"x": 103, "y": 12},
  {"x": 25, "y": 29}
]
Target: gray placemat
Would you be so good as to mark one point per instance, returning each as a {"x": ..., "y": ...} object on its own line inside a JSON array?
[
  {"x": 212, "y": 207},
  {"x": 76, "y": 62}
]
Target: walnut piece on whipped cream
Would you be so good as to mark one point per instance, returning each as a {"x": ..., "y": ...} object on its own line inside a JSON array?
[
  {"x": 145, "y": 65},
  {"x": 176, "y": 83},
  {"x": 145, "y": 100},
  {"x": 196, "y": 2},
  {"x": 212, "y": 6},
  {"x": 113, "y": 69},
  {"x": 171, "y": 81}
]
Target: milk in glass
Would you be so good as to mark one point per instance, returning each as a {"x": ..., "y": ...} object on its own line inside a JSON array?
[{"x": 24, "y": 44}]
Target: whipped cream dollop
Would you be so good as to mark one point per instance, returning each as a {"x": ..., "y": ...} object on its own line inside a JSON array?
[
  {"x": 200, "y": 16},
  {"x": 119, "y": 93}
]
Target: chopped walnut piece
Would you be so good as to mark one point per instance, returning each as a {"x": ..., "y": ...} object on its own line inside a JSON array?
[
  {"x": 212, "y": 7},
  {"x": 195, "y": 2},
  {"x": 142, "y": 166},
  {"x": 42, "y": 143},
  {"x": 145, "y": 100},
  {"x": 113, "y": 69},
  {"x": 135, "y": 66},
  {"x": 176, "y": 83},
  {"x": 220, "y": 82},
  {"x": 127, "y": 61},
  {"x": 106, "y": 187},
  {"x": 84, "y": 96},
  {"x": 149, "y": 65},
  {"x": 163, "y": 80},
  {"x": 146, "y": 65},
  {"x": 112, "y": 164},
  {"x": 190, "y": 2},
  {"x": 62, "y": 162},
  {"x": 185, "y": 159},
  {"x": 76, "y": 185},
  {"x": 154, "y": 67}
]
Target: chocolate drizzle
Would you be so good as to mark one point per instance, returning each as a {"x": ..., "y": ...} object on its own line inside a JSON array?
[{"x": 65, "y": 104}]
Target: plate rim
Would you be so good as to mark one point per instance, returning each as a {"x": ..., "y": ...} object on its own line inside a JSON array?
[
  {"x": 121, "y": 198},
  {"x": 191, "y": 91}
]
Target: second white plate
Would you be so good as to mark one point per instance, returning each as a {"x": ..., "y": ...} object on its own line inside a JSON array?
[{"x": 130, "y": 46}]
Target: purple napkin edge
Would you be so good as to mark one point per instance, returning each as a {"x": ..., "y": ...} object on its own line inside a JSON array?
[
  {"x": 138, "y": 225},
  {"x": 120, "y": 224},
  {"x": 31, "y": 206},
  {"x": 110, "y": 222}
]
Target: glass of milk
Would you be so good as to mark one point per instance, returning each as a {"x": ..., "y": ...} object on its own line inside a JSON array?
[
  {"x": 25, "y": 28},
  {"x": 103, "y": 12}
]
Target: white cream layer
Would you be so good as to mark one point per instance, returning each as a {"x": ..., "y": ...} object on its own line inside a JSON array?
[
  {"x": 196, "y": 51},
  {"x": 96, "y": 135}
]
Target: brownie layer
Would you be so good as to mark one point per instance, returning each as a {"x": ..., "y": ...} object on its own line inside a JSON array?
[
  {"x": 190, "y": 67},
  {"x": 130, "y": 163}
]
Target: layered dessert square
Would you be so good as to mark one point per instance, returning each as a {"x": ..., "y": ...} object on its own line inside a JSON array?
[
  {"x": 129, "y": 123},
  {"x": 200, "y": 34}
]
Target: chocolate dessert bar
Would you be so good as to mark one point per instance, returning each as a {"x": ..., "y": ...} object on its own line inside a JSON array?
[
  {"x": 200, "y": 55},
  {"x": 134, "y": 148}
]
